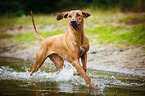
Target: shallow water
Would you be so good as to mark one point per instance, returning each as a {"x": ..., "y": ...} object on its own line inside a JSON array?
[{"x": 14, "y": 80}]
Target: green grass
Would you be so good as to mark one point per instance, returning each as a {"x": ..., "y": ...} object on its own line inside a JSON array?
[
  {"x": 5, "y": 22},
  {"x": 26, "y": 20},
  {"x": 137, "y": 35},
  {"x": 30, "y": 37},
  {"x": 105, "y": 32},
  {"x": 99, "y": 16},
  {"x": 137, "y": 18},
  {"x": 4, "y": 36}
]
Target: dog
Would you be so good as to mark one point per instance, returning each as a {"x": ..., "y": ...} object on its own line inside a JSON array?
[{"x": 70, "y": 46}]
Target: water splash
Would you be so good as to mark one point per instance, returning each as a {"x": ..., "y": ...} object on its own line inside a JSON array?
[
  {"x": 101, "y": 78},
  {"x": 65, "y": 78}
]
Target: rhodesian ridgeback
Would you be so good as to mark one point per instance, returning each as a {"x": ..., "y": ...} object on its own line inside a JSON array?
[{"x": 70, "y": 46}]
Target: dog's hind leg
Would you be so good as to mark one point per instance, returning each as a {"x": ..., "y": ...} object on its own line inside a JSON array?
[
  {"x": 58, "y": 61},
  {"x": 41, "y": 55}
]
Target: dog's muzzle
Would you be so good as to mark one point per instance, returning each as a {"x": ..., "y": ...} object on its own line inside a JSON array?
[{"x": 74, "y": 23}]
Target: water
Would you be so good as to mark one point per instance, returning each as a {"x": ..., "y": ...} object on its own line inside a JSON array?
[{"x": 15, "y": 81}]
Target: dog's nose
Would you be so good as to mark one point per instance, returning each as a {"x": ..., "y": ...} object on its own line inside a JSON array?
[{"x": 73, "y": 21}]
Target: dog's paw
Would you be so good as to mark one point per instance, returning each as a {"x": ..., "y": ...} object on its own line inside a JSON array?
[
  {"x": 30, "y": 73},
  {"x": 94, "y": 86}
]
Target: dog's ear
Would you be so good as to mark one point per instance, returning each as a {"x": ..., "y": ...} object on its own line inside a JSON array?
[
  {"x": 62, "y": 15},
  {"x": 85, "y": 14}
]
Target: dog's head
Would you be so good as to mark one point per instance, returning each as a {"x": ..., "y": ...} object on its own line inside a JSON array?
[{"x": 75, "y": 17}]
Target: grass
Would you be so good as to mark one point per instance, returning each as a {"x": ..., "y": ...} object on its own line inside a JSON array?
[
  {"x": 30, "y": 37},
  {"x": 99, "y": 16},
  {"x": 104, "y": 33},
  {"x": 117, "y": 34},
  {"x": 26, "y": 20},
  {"x": 4, "y": 36},
  {"x": 136, "y": 18}
]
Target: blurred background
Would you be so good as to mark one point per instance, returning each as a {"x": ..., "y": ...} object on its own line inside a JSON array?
[
  {"x": 119, "y": 23},
  {"x": 19, "y": 7}
]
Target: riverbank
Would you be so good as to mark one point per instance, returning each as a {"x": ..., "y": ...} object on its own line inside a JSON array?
[
  {"x": 116, "y": 42},
  {"x": 126, "y": 59}
]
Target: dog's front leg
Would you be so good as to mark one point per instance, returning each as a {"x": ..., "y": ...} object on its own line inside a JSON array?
[
  {"x": 75, "y": 62},
  {"x": 77, "y": 65},
  {"x": 84, "y": 61},
  {"x": 79, "y": 68}
]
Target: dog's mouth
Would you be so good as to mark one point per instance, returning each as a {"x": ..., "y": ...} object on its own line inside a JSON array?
[{"x": 74, "y": 24}]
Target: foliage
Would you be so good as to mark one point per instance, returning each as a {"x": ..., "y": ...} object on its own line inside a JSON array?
[{"x": 18, "y": 7}]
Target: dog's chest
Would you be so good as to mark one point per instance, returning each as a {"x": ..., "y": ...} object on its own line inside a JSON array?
[{"x": 82, "y": 50}]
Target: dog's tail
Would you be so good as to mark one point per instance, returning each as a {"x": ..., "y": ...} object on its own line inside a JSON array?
[{"x": 35, "y": 30}]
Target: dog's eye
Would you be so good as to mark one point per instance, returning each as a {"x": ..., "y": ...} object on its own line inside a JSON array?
[
  {"x": 78, "y": 15},
  {"x": 70, "y": 16}
]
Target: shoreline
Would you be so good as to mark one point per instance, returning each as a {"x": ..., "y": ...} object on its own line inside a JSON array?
[{"x": 127, "y": 59}]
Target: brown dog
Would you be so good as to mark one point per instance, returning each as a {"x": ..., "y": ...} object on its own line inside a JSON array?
[{"x": 69, "y": 46}]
